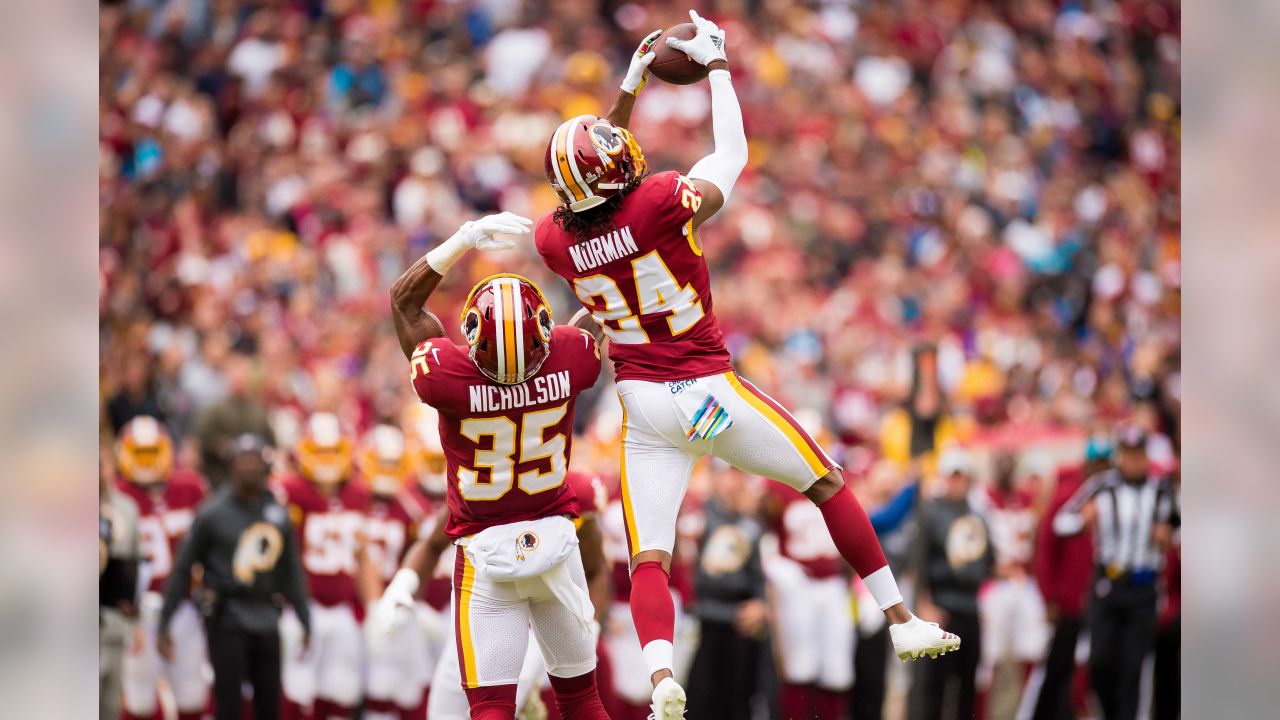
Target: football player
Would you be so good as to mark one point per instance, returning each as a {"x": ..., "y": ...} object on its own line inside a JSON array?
[
  {"x": 328, "y": 507},
  {"x": 626, "y": 242},
  {"x": 448, "y": 699},
  {"x": 505, "y": 401},
  {"x": 167, "y": 499},
  {"x": 397, "y": 664}
]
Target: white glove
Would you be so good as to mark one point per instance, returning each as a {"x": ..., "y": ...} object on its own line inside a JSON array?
[
  {"x": 706, "y": 46},
  {"x": 638, "y": 71},
  {"x": 395, "y": 607},
  {"x": 478, "y": 234}
]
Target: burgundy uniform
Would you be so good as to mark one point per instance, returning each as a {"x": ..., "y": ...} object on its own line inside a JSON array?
[
  {"x": 427, "y": 509},
  {"x": 802, "y": 535},
  {"x": 1011, "y": 514},
  {"x": 164, "y": 519},
  {"x": 390, "y": 529},
  {"x": 329, "y": 530},
  {"x": 507, "y": 446},
  {"x": 647, "y": 283}
]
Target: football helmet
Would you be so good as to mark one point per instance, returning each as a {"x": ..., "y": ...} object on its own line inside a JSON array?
[
  {"x": 429, "y": 463},
  {"x": 383, "y": 461},
  {"x": 507, "y": 323},
  {"x": 589, "y": 160},
  {"x": 324, "y": 452},
  {"x": 144, "y": 451}
]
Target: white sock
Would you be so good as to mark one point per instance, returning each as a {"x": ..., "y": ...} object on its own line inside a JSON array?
[
  {"x": 658, "y": 655},
  {"x": 883, "y": 588}
]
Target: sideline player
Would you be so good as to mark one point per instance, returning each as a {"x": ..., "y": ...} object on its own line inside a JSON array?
[
  {"x": 626, "y": 242},
  {"x": 328, "y": 507},
  {"x": 399, "y": 664},
  {"x": 505, "y": 401},
  {"x": 167, "y": 500}
]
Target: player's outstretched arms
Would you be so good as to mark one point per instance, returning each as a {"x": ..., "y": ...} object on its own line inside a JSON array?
[
  {"x": 409, "y": 293},
  {"x": 634, "y": 81},
  {"x": 715, "y": 174}
]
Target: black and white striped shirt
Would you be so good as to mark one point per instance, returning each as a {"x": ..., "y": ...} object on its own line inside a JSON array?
[{"x": 1127, "y": 513}]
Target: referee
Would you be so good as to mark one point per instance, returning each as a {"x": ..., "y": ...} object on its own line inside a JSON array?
[
  {"x": 1132, "y": 513},
  {"x": 243, "y": 539}
]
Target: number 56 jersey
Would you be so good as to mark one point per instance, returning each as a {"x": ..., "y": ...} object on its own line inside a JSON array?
[
  {"x": 643, "y": 277},
  {"x": 507, "y": 447}
]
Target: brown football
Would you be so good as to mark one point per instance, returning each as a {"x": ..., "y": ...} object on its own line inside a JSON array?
[{"x": 673, "y": 66}]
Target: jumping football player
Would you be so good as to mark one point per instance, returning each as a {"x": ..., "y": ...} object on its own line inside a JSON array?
[
  {"x": 505, "y": 401},
  {"x": 328, "y": 506},
  {"x": 626, "y": 242},
  {"x": 167, "y": 499}
]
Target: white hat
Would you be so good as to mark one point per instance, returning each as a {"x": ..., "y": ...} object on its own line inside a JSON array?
[{"x": 955, "y": 459}]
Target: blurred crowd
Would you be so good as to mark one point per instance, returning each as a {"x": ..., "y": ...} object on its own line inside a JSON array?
[{"x": 999, "y": 180}]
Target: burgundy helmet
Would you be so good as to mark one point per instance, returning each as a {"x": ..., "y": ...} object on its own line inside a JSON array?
[
  {"x": 507, "y": 323},
  {"x": 590, "y": 160}
]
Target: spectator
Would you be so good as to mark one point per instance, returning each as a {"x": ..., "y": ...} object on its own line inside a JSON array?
[
  {"x": 922, "y": 424},
  {"x": 953, "y": 559},
  {"x": 239, "y": 412},
  {"x": 137, "y": 396},
  {"x": 729, "y": 585}
]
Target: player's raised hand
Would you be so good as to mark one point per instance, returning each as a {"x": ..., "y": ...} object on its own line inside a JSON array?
[
  {"x": 706, "y": 46},
  {"x": 480, "y": 234},
  {"x": 638, "y": 71}
]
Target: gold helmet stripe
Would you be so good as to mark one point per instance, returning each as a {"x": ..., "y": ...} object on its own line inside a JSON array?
[
  {"x": 565, "y": 173},
  {"x": 511, "y": 326},
  {"x": 499, "y": 322},
  {"x": 577, "y": 123}
]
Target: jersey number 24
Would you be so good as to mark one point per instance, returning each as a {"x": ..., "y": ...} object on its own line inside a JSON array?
[{"x": 657, "y": 290}]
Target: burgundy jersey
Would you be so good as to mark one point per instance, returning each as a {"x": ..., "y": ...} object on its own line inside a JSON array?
[
  {"x": 439, "y": 589},
  {"x": 390, "y": 528},
  {"x": 802, "y": 533},
  {"x": 1011, "y": 516},
  {"x": 164, "y": 517},
  {"x": 590, "y": 490},
  {"x": 507, "y": 447},
  {"x": 646, "y": 282},
  {"x": 329, "y": 533}
]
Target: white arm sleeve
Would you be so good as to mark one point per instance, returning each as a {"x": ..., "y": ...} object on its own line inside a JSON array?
[{"x": 722, "y": 167}]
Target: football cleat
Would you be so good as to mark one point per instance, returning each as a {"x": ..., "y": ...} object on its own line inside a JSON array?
[
  {"x": 668, "y": 701},
  {"x": 589, "y": 160},
  {"x": 916, "y": 638}
]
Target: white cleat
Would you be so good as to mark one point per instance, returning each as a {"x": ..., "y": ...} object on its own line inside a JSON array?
[
  {"x": 916, "y": 638},
  {"x": 668, "y": 701}
]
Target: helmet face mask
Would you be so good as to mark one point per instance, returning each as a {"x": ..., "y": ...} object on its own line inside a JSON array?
[
  {"x": 589, "y": 160},
  {"x": 324, "y": 452},
  {"x": 507, "y": 323},
  {"x": 144, "y": 452},
  {"x": 384, "y": 461}
]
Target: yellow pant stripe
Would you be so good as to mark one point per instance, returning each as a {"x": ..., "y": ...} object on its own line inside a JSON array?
[
  {"x": 816, "y": 463},
  {"x": 464, "y": 622},
  {"x": 628, "y": 514}
]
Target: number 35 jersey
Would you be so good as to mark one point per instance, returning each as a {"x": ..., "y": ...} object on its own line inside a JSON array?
[
  {"x": 645, "y": 280},
  {"x": 507, "y": 447}
]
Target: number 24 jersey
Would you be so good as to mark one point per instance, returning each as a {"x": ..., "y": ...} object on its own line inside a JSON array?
[
  {"x": 645, "y": 280},
  {"x": 507, "y": 447}
]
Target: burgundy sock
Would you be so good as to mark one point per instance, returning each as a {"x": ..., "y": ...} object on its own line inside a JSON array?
[
  {"x": 291, "y": 710},
  {"x": 851, "y": 529},
  {"x": 495, "y": 702},
  {"x": 828, "y": 704},
  {"x": 380, "y": 706},
  {"x": 190, "y": 715},
  {"x": 420, "y": 712},
  {"x": 793, "y": 701},
  {"x": 652, "y": 608},
  {"x": 330, "y": 710},
  {"x": 577, "y": 699}
]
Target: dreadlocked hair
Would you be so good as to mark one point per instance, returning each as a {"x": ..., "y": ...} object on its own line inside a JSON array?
[{"x": 596, "y": 221}]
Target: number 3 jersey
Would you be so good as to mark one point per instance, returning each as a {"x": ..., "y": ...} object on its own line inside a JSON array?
[
  {"x": 506, "y": 446},
  {"x": 644, "y": 279}
]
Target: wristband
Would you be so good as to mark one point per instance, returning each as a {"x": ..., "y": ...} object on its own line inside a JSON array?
[{"x": 443, "y": 256}]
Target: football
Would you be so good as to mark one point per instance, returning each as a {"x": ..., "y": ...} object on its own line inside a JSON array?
[{"x": 673, "y": 66}]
